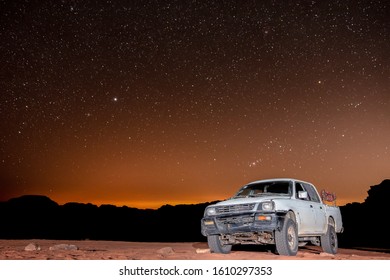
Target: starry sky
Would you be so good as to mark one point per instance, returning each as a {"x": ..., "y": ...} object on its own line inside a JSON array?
[{"x": 146, "y": 103}]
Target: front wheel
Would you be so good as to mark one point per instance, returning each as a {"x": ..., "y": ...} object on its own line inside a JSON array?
[
  {"x": 216, "y": 246},
  {"x": 329, "y": 241},
  {"x": 286, "y": 240}
]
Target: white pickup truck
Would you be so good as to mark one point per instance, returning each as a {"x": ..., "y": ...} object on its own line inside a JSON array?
[{"x": 285, "y": 212}]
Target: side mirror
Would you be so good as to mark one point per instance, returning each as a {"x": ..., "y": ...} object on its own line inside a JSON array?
[{"x": 302, "y": 195}]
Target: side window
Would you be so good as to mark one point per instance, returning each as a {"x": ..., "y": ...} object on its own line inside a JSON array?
[{"x": 312, "y": 193}]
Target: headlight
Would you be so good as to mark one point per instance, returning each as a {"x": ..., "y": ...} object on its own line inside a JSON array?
[
  {"x": 211, "y": 211},
  {"x": 267, "y": 206}
]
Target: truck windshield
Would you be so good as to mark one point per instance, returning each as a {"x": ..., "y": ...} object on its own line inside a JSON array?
[{"x": 265, "y": 188}]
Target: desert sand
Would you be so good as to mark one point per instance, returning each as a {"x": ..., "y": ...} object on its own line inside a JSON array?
[{"x": 119, "y": 250}]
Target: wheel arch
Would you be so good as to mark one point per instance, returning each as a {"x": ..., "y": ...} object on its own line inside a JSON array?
[
  {"x": 291, "y": 214},
  {"x": 331, "y": 221},
  {"x": 287, "y": 214}
]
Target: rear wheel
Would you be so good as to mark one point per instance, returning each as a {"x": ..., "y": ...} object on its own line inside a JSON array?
[
  {"x": 329, "y": 242},
  {"x": 286, "y": 240},
  {"x": 215, "y": 245}
]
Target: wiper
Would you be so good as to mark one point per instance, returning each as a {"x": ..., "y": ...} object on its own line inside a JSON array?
[{"x": 257, "y": 194}]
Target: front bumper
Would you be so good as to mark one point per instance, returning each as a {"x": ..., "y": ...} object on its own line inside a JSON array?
[{"x": 241, "y": 223}]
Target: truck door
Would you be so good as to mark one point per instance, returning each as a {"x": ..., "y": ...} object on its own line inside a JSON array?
[
  {"x": 305, "y": 211},
  {"x": 318, "y": 209}
]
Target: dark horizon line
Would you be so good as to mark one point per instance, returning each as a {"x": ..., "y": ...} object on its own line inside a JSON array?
[
  {"x": 108, "y": 204},
  {"x": 103, "y": 204}
]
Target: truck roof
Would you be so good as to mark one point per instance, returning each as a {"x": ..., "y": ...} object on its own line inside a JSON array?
[{"x": 279, "y": 179}]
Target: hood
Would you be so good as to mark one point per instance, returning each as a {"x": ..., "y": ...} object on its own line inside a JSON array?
[{"x": 245, "y": 200}]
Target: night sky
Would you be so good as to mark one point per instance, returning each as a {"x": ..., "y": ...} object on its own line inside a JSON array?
[{"x": 146, "y": 103}]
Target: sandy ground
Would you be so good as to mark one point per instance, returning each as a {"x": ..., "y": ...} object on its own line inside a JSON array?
[{"x": 115, "y": 250}]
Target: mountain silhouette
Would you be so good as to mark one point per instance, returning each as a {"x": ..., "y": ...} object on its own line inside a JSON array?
[
  {"x": 39, "y": 217},
  {"x": 365, "y": 223}
]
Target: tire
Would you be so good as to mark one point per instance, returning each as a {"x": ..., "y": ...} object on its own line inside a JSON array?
[
  {"x": 216, "y": 246},
  {"x": 329, "y": 242},
  {"x": 286, "y": 240}
]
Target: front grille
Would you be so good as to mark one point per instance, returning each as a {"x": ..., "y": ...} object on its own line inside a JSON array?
[
  {"x": 239, "y": 220},
  {"x": 235, "y": 208}
]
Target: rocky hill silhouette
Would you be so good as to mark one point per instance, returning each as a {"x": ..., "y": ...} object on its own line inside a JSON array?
[
  {"x": 365, "y": 224},
  {"x": 38, "y": 217}
]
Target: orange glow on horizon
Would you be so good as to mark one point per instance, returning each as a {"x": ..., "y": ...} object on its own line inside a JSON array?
[{"x": 144, "y": 203}]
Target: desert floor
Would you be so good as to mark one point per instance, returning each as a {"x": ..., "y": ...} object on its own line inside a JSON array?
[{"x": 118, "y": 250}]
